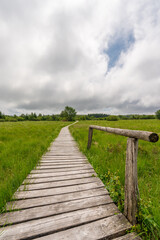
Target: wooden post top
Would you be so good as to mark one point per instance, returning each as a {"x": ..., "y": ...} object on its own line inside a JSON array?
[{"x": 143, "y": 135}]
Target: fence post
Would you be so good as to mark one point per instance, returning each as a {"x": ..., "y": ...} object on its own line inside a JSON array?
[
  {"x": 90, "y": 133},
  {"x": 131, "y": 181}
]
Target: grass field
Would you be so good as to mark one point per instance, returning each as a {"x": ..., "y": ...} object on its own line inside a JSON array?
[
  {"x": 21, "y": 146},
  {"x": 108, "y": 153}
]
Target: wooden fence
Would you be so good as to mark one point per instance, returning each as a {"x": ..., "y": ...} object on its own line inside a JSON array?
[{"x": 131, "y": 179}]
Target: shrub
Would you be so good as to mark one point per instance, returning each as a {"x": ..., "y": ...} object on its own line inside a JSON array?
[
  {"x": 158, "y": 114},
  {"x": 112, "y": 118},
  {"x": 20, "y": 119}
]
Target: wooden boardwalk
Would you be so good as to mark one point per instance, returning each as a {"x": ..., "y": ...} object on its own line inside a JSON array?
[{"x": 63, "y": 199}]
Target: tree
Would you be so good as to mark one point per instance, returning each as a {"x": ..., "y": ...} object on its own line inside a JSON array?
[
  {"x": 158, "y": 114},
  {"x": 68, "y": 114},
  {"x": 33, "y": 116},
  {"x": 2, "y": 116},
  {"x": 112, "y": 118}
]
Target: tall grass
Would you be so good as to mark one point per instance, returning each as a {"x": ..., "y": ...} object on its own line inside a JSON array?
[
  {"x": 108, "y": 153},
  {"x": 21, "y": 146}
]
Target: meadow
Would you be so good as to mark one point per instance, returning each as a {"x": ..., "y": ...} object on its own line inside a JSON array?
[
  {"x": 21, "y": 146},
  {"x": 23, "y": 143},
  {"x": 107, "y": 155}
]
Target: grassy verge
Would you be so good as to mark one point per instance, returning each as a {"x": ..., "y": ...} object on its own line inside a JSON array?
[
  {"x": 21, "y": 146},
  {"x": 107, "y": 156}
]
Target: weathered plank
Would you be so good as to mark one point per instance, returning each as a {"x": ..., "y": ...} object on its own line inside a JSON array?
[
  {"x": 55, "y": 170},
  {"x": 57, "y": 166},
  {"x": 41, "y": 201},
  {"x": 50, "y": 210},
  {"x": 63, "y": 157},
  {"x": 44, "y": 226},
  {"x": 58, "y": 178},
  {"x": 106, "y": 228},
  {"x": 40, "y": 186},
  {"x": 129, "y": 236},
  {"x": 62, "y": 163},
  {"x": 54, "y": 174},
  {"x": 55, "y": 191}
]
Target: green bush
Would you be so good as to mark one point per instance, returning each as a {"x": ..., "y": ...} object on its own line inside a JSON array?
[
  {"x": 112, "y": 118},
  {"x": 12, "y": 119},
  {"x": 20, "y": 119},
  {"x": 158, "y": 114}
]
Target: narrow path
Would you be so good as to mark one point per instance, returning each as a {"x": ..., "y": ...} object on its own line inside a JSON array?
[{"x": 63, "y": 199}]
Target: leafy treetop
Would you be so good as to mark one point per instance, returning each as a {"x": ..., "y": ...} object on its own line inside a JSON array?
[
  {"x": 68, "y": 114},
  {"x": 158, "y": 114}
]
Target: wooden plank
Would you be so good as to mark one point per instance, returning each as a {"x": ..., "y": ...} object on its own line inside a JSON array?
[
  {"x": 50, "y": 210},
  {"x": 64, "y": 143},
  {"x": 55, "y": 191},
  {"x": 62, "y": 166},
  {"x": 58, "y": 178},
  {"x": 56, "y": 170},
  {"x": 64, "y": 155},
  {"x": 67, "y": 152},
  {"x": 34, "y": 202},
  {"x": 62, "y": 163},
  {"x": 44, "y": 226},
  {"x": 57, "y": 184},
  {"x": 63, "y": 146},
  {"x": 130, "y": 236},
  {"x": 40, "y": 175},
  {"x": 51, "y": 153},
  {"x": 63, "y": 158},
  {"x": 106, "y": 228}
]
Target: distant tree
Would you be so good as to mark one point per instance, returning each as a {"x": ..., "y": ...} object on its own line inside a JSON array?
[
  {"x": 158, "y": 114},
  {"x": 112, "y": 118},
  {"x": 20, "y": 119},
  {"x": 54, "y": 117},
  {"x": 68, "y": 114},
  {"x": 97, "y": 115},
  {"x": 2, "y": 116},
  {"x": 32, "y": 116}
]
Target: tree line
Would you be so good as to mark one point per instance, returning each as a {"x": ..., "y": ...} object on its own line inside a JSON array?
[{"x": 69, "y": 114}]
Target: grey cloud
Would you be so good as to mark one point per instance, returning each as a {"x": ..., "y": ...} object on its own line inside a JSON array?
[{"x": 51, "y": 55}]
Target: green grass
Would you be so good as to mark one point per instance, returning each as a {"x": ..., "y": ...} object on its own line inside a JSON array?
[
  {"x": 21, "y": 146},
  {"x": 108, "y": 152}
]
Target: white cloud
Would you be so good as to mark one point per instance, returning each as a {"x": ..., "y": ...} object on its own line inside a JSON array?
[{"x": 53, "y": 54}]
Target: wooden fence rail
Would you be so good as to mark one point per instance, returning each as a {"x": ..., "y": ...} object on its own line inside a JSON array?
[{"x": 131, "y": 179}]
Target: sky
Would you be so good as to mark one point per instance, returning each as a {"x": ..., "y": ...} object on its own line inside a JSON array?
[{"x": 97, "y": 56}]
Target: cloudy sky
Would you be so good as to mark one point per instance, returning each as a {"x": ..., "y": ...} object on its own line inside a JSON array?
[{"x": 94, "y": 55}]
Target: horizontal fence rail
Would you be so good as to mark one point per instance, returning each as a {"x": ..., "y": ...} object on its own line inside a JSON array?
[{"x": 131, "y": 179}]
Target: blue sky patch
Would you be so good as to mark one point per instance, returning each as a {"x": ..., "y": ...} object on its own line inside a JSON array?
[{"x": 116, "y": 47}]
